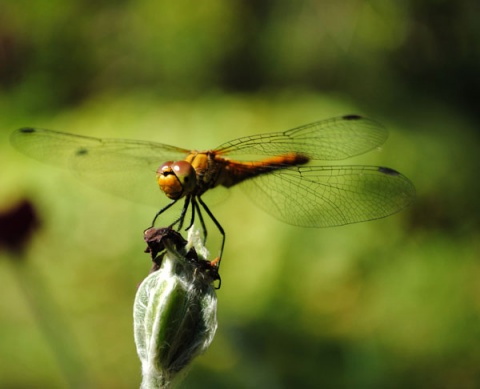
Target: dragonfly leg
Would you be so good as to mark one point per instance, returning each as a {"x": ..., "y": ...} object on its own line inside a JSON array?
[
  {"x": 194, "y": 209},
  {"x": 197, "y": 208},
  {"x": 182, "y": 215},
  {"x": 220, "y": 228},
  {"x": 162, "y": 211}
]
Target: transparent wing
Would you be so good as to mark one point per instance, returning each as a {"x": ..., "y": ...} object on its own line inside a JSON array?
[
  {"x": 122, "y": 167},
  {"x": 325, "y": 196},
  {"x": 331, "y": 139}
]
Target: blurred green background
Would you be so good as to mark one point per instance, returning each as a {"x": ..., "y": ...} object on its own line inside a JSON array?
[{"x": 390, "y": 303}]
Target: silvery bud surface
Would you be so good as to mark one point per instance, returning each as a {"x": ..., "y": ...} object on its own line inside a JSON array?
[{"x": 175, "y": 309}]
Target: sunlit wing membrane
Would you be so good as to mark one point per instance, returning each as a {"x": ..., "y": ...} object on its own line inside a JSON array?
[
  {"x": 122, "y": 167},
  {"x": 331, "y": 139},
  {"x": 326, "y": 196}
]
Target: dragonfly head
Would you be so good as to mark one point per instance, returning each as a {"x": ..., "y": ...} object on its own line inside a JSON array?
[{"x": 176, "y": 179}]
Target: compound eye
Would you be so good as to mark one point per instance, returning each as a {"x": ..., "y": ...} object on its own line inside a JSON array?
[
  {"x": 165, "y": 168},
  {"x": 169, "y": 182},
  {"x": 185, "y": 174}
]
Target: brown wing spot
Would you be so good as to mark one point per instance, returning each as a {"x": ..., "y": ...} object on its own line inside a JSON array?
[
  {"x": 27, "y": 130},
  {"x": 387, "y": 170},
  {"x": 351, "y": 117}
]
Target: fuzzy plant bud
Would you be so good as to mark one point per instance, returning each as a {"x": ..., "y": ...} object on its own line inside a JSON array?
[{"x": 175, "y": 307}]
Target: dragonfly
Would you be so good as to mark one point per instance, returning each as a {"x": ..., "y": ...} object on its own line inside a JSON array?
[{"x": 276, "y": 170}]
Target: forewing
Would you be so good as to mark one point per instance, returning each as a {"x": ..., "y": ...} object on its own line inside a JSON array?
[
  {"x": 125, "y": 168},
  {"x": 325, "y": 196},
  {"x": 331, "y": 139}
]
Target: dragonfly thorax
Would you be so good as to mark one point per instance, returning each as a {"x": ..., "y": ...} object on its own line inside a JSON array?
[{"x": 176, "y": 179}]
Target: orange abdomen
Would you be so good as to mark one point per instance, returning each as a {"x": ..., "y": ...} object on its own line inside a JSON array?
[{"x": 235, "y": 172}]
